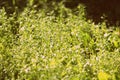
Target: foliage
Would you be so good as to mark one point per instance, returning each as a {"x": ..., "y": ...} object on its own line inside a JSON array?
[
  {"x": 18, "y": 6},
  {"x": 97, "y": 11},
  {"x": 38, "y": 45}
]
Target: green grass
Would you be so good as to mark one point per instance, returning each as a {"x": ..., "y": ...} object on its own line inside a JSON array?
[{"x": 48, "y": 47}]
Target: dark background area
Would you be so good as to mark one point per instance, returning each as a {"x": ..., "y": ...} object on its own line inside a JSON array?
[
  {"x": 12, "y": 5},
  {"x": 100, "y": 10},
  {"x": 96, "y": 10}
]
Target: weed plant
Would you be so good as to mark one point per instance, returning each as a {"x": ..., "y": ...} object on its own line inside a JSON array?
[{"x": 39, "y": 45}]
